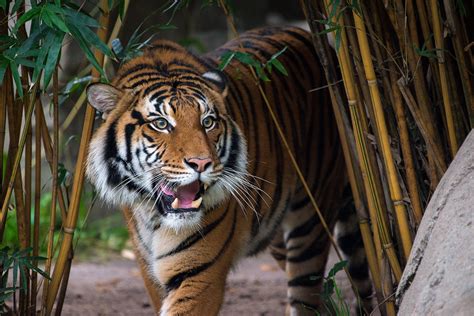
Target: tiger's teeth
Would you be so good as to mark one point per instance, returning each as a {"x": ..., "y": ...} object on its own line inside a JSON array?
[
  {"x": 175, "y": 203},
  {"x": 206, "y": 186},
  {"x": 197, "y": 203}
]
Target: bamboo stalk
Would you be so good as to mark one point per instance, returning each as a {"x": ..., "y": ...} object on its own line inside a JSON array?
[
  {"x": 78, "y": 176},
  {"x": 431, "y": 135},
  {"x": 458, "y": 38},
  {"x": 405, "y": 145},
  {"x": 348, "y": 147},
  {"x": 54, "y": 187},
  {"x": 375, "y": 205},
  {"x": 48, "y": 149},
  {"x": 394, "y": 185},
  {"x": 34, "y": 276},
  {"x": 453, "y": 143}
]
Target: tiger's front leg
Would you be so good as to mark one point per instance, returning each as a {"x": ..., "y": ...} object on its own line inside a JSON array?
[{"x": 198, "y": 295}]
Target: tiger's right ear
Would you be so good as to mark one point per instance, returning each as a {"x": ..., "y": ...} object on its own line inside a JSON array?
[{"x": 103, "y": 97}]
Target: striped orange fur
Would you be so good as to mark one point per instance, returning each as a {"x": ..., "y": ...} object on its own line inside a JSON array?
[{"x": 193, "y": 157}]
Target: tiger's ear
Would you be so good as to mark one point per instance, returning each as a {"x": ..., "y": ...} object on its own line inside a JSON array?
[
  {"x": 218, "y": 78},
  {"x": 103, "y": 97}
]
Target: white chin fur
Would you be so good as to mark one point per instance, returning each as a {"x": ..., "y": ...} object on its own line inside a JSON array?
[{"x": 182, "y": 221}]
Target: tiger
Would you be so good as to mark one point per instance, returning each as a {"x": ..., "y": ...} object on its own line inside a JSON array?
[{"x": 193, "y": 157}]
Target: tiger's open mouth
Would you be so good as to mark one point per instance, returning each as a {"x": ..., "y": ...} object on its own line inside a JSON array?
[{"x": 186, "y": 198}]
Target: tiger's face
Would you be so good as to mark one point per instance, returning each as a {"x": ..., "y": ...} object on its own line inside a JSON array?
[{"x": 172, "y": 152}]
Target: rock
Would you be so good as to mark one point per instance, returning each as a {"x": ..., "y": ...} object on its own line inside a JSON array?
[{"x": 439, "y": 276}]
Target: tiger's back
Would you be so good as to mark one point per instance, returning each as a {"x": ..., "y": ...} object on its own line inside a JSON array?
[{"x": 249, "y": 195}]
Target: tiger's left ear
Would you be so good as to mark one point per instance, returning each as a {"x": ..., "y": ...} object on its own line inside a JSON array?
[
  {"x": 219, "y": 79},
  {"x": 103, "y": 97}
]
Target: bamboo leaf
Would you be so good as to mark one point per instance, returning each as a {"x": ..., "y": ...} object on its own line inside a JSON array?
[
  {"x": 38, "y": 270},
  {"x": 16, "y": 77},
  {"x": 3, "y": 4},
  {"x": 94, "y": 40},
  {"x": 279, "y": 66},
  {"x": 79, "y": 19},
  {"x": 85, "y": 48},
  {"x": 337, "y": 267},
  {"x": 53, "y": 56},
  {"x": 226, "y": 58},
  {"x": 58, "y": 22},
  {"x": 16, "y": 6},
  {"x": 28, "y": 15}
]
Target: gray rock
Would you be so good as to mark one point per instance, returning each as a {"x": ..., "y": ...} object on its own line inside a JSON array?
[{"x": 439, "y": 276}]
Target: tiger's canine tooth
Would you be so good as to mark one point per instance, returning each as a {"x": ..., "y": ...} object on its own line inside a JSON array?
[
  {"x": 197, "y": 203},
  {"x": 206, "y": 186},
  {"x": 175, "y": 203}
]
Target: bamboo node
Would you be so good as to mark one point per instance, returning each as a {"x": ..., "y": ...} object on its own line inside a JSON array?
[
  {"x": 352, "y": 102},
  {"x": 372, "y": 82},
  {"x": 68, "y": 230},
  {"x": 388, "y": 245},
  {"x": 398, "y": 202}
]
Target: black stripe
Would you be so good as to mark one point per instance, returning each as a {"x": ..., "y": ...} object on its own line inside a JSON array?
[
  {"x": 175, "y": 282},
  {"x": 316, "y": 248},
  {"x": 129, "y": 129},
  {"x": 303, "y": 229},
  {"x": 194, "y": 238}
]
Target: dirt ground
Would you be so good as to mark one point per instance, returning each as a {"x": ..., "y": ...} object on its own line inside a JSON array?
[{"x": 256, "y": 287}]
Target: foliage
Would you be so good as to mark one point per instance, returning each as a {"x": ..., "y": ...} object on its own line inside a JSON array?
[
  {"x": 261, "y": 69},
  {"x": 18, "y": 262},
  {"x": 331, "y": 294},
  {"x": 40, "y": 51}
]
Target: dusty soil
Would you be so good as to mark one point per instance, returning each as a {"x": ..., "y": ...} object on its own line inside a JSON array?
[{"x": 256, "y": 287}]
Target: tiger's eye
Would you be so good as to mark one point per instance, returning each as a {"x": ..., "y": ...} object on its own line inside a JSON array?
[
  {"x": 208, "y": 122},
  {"x": 161, "y": 123}
]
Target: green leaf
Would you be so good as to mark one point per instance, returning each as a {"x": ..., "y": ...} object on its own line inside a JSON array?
[
  {"x": 95, "y": 41},
  {"x": 226, "y": 58},
  {"x": 17, "y": 6},
  {"x": 28, "y": 15},
  {"x": 48, "y": 40},
  {"x": 337, "y": 267},
  {"x": 16, "y": 78},
  {"x": 79, "y": 19},
  {"x": 247, "y": 59},
  {"x": 33, "y": 40},
  {"x": 85, "y": 48},
  {"x": 3, "y": 4},
  {"x": 58, "y": 22},
  {"x": 53, "y": 56},
  {"x": 38, "y": 270},
  {"x": 261, "y": 73},
  {"x": 279, "y": 66}
]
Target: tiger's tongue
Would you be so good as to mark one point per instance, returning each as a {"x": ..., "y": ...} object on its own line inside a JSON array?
[{"x": 186, "y": 194}]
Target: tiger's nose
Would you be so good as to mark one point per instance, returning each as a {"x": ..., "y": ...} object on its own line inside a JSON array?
[{"x": 199, "y": 164}]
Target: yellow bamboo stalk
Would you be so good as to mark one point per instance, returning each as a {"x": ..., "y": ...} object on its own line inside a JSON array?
[
  {"x": 438, "y": 36},
  {"x": 374, "y": 202},
  {"x": 78, "y": 181},
  {"x": 394, "y": 185},
  {"x": 348, "y": 147}
]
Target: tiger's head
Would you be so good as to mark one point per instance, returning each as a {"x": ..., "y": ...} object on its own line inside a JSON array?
[{"x": 168, "y": 146}]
